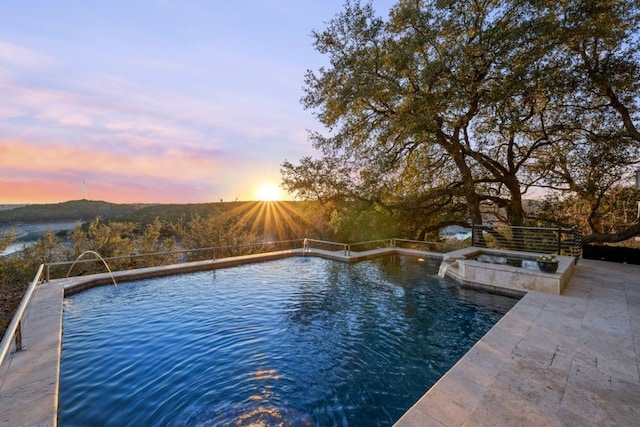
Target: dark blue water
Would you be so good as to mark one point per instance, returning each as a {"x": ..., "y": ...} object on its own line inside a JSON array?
[{"x": 295, "y": 342}]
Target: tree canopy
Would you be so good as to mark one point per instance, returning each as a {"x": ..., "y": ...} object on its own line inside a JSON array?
[{"x": 447, "y": 110}]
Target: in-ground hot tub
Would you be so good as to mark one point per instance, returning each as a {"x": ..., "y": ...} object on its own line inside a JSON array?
[{"x": 485, "y": 268}]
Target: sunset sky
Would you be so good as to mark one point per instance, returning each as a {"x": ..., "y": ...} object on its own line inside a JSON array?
[{"x": 167, "y": 101}]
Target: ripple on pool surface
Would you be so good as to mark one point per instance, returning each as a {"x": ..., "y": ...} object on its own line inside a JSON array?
[{"x": 299, "y": 341}]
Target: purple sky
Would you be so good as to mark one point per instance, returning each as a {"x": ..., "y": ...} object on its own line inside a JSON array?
[{"x": 154, "y": 100}]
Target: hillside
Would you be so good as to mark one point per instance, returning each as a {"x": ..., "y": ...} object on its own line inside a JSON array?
[
  {"x": 87, "y": 210},
  {"x": 75, "y": 210}
]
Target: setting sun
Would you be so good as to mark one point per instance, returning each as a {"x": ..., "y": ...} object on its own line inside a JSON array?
[{"x": 268, "y": 192}]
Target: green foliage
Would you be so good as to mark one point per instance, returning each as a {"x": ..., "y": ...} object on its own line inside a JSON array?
[
  {"x": 10, "y": 269},
  {"x": 359, "y": 221},
  {"x": 7, "y": 239},
  {"x": 616, "y": 213},
  {"x": 233, "y": 228},
  {"x": 154, "y": 240},
  {"x": 213, "y": 231},
  {"x": 448, "y": 109},
  {"x": 48, "y": 249}
]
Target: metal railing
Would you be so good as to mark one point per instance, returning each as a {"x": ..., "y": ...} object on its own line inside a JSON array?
[
  {"x": 347, "y": 248},
  {"x": 372, "y": 245},
  {"x": 309, "y": 244},
  {"x": 534, "y": 239},
  {"x": 559, "y": 240},
  {"x": 125, "y": 262},
  {"x": 15, "y": 327},
  {"x": 442, "y": 247}
]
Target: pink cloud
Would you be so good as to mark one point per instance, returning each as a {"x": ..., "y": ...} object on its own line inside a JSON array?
[
  {"x": 65, "y": 117},
  {"x": 20, "y": 56},
  {"x": 54, "y": 191},
  {"x": 29, "y": 191},
  {"x": 176, "y": 175},
  {"x": 182, "y": 163},
  {"x": 133, "y": 140}
]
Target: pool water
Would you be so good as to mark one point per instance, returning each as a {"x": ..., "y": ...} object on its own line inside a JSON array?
[
  {"x": 514, "y": 261},
  {"x": 294, "y": 342}
]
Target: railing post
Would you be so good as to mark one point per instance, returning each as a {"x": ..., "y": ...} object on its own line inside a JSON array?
[
  {"x": 577, "y": 243},
  {"x": 559, "y": 240},
  {"x": 473, "y": 235},
  {"x": 18, "y": 336}
]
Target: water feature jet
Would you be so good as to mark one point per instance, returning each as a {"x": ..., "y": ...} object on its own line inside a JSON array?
[{"x": 101, "y": 259}]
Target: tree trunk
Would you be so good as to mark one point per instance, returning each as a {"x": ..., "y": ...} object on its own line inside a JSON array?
[
  {"x": 516, "y": 210},
  {"x": 625, "y": 234},
  {"x": 516, "y": 213},
  {"x": 468, "y": 184}
]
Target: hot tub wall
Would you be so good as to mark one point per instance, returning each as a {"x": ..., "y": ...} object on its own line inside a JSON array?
[{"x": 505, "y": 276}]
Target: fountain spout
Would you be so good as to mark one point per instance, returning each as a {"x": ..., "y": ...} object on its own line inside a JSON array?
[{"x": 101, "y": 259}]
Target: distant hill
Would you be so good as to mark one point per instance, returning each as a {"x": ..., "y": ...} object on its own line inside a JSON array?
[
  {"x": 75, "y": 210},
  {"x": 87, "y": 210},
  {"x": 174, "y": 212}
]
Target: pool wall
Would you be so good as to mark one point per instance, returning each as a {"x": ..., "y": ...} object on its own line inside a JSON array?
[{"x": 459, "y": 265}]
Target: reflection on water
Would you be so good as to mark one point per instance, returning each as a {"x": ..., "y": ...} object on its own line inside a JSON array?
[
  {"x": 250, "y": 415},
  {"x": 294, "y": 342}
]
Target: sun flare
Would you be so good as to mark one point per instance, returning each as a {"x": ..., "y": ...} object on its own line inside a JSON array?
[{"x": 268, "y": 192}]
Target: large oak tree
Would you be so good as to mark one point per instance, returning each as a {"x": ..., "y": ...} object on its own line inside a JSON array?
[{"x": 448, "y": 107}]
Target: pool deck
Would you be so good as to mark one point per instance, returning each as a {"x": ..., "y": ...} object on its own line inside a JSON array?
[
  {"x": 568, "y": 360},
  {"x": 551, "y": 361},
  {"x": 29, "y": 378}
]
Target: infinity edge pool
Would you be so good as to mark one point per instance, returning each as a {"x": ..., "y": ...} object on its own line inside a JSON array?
[{"x": 28, "y": 392}]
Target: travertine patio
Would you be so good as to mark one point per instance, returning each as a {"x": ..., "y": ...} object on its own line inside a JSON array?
[{"x": 568, "y": 360}]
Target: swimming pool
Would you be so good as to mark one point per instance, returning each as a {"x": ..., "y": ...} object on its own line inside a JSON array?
[{"x": 293, "y": 342}]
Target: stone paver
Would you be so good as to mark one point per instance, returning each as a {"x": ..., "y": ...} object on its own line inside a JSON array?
[
  {"x": 29, "y": 382},
  {"x": 568, "y": 360}
]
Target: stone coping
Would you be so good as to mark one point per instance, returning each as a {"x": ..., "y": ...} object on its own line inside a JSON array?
[
  {"x": 568, "y": 360},
  {"x": 551, "y": 360},
  {"x": 29, "y": 378},
  {"x": 462, "y": 266}
]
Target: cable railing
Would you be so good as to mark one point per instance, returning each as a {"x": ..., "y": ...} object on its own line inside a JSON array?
[
  {"x": 547, "y": 240},
  {"x": 371, "y": 245},
  {"x": 440, "y": 247}
]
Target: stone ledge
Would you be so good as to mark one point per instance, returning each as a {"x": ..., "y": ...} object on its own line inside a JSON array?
[{"x": 460, "y": 266}]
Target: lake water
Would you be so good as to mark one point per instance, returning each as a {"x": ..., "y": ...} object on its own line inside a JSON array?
[{"x": 28, "y": 234}]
